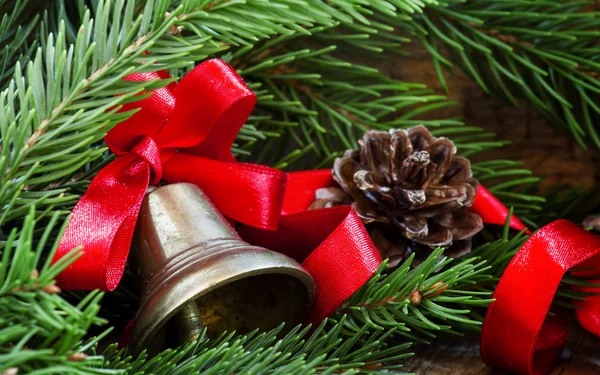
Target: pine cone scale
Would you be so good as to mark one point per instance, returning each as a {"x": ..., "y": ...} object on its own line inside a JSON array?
[
  {"x": 401, "y": 148},
  {"x": 441, "y": 156}
]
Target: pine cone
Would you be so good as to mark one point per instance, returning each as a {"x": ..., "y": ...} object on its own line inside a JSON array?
[{"x": 410, "y": 191}]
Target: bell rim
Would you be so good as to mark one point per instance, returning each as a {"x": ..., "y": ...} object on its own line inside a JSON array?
[{"x": 143, "y": 329}]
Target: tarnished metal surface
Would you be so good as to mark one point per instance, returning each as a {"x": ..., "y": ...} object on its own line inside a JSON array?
[{"x": 193, "y": 270}]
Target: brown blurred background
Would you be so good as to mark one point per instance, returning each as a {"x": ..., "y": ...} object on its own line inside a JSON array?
[{"x": 549, "y": 153}]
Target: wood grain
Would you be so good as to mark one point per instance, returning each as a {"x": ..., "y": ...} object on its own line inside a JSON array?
[{"x": 549, "y": 153}]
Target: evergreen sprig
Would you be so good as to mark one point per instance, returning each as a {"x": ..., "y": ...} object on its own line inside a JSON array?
[
  {"x": 546, "y": 52},
  {"x": 39, "y": 330},
  {"x": 313, "y": 105},
  {"x": 441, "y": 295},
  {"x": 323, "y": 351},
  {"x": 41, "y": 333},
  {"x": 419, "y": 302},
  {"x": 56, "y": 110},
  {"x": 17, "y": 23}
]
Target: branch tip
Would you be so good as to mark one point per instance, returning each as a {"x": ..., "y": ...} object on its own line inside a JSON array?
[{"x": 77, "y": 357}]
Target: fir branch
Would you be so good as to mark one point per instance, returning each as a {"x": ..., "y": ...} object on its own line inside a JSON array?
[
  {"x": 45, "y": 135},
  {"x": 56, "y": 110},
  {"x": 566, "y": 202},
  {"x": 422, "y": 301},
  {"x": 545, "y": 52},
  {"x": 308, "y": 114},
  {"x": 39, "y": 330},
  {"x": 18, "y": 18},
  {"x": 322, "y": 352},
  {"x": 441, "y": 295},
  {"x": 313, "y": 105}
]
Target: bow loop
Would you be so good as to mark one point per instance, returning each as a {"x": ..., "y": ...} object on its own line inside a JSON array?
[
  {"x": 518, "y": 334},
  {"x": 149, "y": 119},
  {"x": 212, "y": 105},
  {"x": 202, "y": 113}
]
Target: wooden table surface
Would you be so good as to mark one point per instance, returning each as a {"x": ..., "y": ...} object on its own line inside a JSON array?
[{"x": 549, "y": 153}]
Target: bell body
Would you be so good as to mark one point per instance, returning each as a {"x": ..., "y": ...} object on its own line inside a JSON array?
[{"x": 194, "y": 271}]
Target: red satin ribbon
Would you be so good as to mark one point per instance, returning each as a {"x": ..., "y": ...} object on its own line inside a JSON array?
[
  {"x": 182, "y": 132},
  {"x": 518, "y": 334},
  {"x": 492, "y": 211}
]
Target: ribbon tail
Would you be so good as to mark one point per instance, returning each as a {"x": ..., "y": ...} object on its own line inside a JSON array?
[
  {"x": 492, "y": 211},
  {"x": 334, "y": 247},
  {"x": 518, "y": 334},
  {"x": 341, "y": 265},
  {"x": 249, "y": 193},
  {"x": 102, "y": 224}
]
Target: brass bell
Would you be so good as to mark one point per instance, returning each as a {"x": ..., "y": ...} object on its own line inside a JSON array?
[{"x": 194, "y": 271}]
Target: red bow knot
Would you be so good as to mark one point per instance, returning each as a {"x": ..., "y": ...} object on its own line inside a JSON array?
[
  {"x": 148, "y": 151},
  {"x": 182, "y": 133}
]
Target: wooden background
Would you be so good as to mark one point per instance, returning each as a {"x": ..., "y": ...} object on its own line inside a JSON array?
[{"x": 549, "y": 153}]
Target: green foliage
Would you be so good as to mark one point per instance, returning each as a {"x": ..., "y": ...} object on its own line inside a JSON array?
[
  {"x": 313, "y": 105},
  {"x": 17, "y": 22},
  {"x": 543, "y": 51},
  {"x": 61, "y": 103},
  {"x": 39, "y": 330},
  {"x": 421, "y": 301},
  {"x": 298, "y": 352},
  {"x": 56, "y": 110},
  {"x": 61, "y": 88},
  {"x": 439, "y": 295}
]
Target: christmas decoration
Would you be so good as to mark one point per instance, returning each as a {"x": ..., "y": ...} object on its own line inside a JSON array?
[
  {"x": 195, "y": 273},
  {"x": 411, "y": 191},
  {"x": 151, "y": 146},
  {"x": 90, "y": 120}
]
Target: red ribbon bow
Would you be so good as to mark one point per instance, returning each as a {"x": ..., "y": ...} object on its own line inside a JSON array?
[
  {"x": 518, "y": 334},
  {"x": 183, "y": 132}
]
